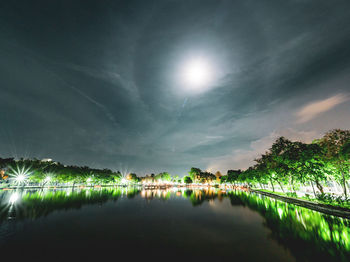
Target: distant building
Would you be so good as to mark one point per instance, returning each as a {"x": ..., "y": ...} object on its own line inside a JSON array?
[{"x": 46, "y": 160}]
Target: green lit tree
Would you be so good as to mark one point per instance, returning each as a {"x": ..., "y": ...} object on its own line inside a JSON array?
[
  {"x": 336, "y": 143},
  {"x": 164, "y": 177},
  {"x": 195, "y": 174},
  {"x": 187, "y": 180}
]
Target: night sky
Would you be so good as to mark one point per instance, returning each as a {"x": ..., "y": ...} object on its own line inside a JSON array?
[{"x": 101, "y": 83}]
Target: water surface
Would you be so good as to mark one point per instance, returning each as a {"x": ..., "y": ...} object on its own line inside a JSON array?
[{"x": 176, "y": 224}]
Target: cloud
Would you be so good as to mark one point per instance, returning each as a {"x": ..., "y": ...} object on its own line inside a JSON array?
[
  {"x": 105, "y": 110},
  {"x": 108, "y": 94},
  {"x": 107, "y": 75},
  {"x": 243, "y": 158},
  {"x": 314, "y": 109},
  {"x": 214, "y": 137}
]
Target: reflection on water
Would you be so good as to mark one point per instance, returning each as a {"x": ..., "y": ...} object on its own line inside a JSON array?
[{"x": 309, "y": 235}]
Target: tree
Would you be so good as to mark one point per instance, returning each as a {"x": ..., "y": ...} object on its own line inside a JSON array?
[
  {"x": 37, "y": 177},
  {"x": 233, "y": 176},
  {"x": 207, "y": 177},
  {"x": 276, "y": 164},
  {"x": 176, "y": 179},
  {"x": 187, "y": 180},
  {"x": 164, "y": 177},
  {"x": 133, "y": 177},
  {"x": 292, "y": 158},
  {"x": 253, "y": 175},
  {"x": 265, "y": 167},
  {"x": 335, "y": 143},
  {"x": 218, "y": 176},
  {"x": 195, "y": 174},
  {"x": 312, "y": 164},
  {"x": 116, "y": 177}
]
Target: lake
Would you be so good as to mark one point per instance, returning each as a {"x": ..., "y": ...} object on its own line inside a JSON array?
[{"x": 171, "y": 224}]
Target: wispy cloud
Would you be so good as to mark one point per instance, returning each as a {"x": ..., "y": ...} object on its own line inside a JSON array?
[
  {"x": 106, "y": 75},
  {"x": 84, "y": 95},
  {"x": 243, "y": 158},
  {"x": 101, "y": 106},
  {"x": 314, "y": 109},
  {"x": 214, "y": 137}
]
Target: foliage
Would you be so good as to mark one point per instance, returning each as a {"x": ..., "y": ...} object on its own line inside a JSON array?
[
  {"x": 42, "y": 173},
  {"x": 289, "y": 165},
  {"x": 188, "y": 180},
  {"x": 336, "y": 144},
  {"x": 232, "y": 176},
  {"x": 199, "y": 176}
]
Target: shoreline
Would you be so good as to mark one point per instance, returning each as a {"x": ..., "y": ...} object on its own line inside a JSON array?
[
  {"x": 323, "y": 208},
  {"x": 100, "y": 186}
]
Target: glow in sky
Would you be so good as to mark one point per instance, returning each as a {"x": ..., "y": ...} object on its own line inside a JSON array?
[
  {"x": 168, "y": 85},
  {"x": 197, "y": 73}
]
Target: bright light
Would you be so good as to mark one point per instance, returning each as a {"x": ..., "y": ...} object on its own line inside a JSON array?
[
  {"x": 88, "y": 180},
  {"x": 20, "y": 178},
  {"x": 197, "y": 73},
  {"x": 47, "y": 179},
  {"x": 124, "y": 181},
  {"x": 20, "y": 175},
  {"x": 13, "y": 198}
]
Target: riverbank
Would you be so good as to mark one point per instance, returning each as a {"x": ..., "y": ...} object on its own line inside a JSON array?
[
  {"x": 324, "y": 208},
  {"x": 313, "y": 205},
  {"x": 144, "y": 186},
  {"x": 58, "y": 187}
]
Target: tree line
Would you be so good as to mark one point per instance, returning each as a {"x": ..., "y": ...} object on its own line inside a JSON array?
[
  {"x": 292, "y": 164},
  {"x": 287, "y": 165},
  {"x": 37, "y": 172}
]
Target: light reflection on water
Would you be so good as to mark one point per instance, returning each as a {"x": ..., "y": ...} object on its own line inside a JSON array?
[{"x": 308, "y": 234}]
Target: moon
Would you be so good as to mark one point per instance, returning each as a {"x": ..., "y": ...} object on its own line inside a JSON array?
[{"x": 197, "y": 73}]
